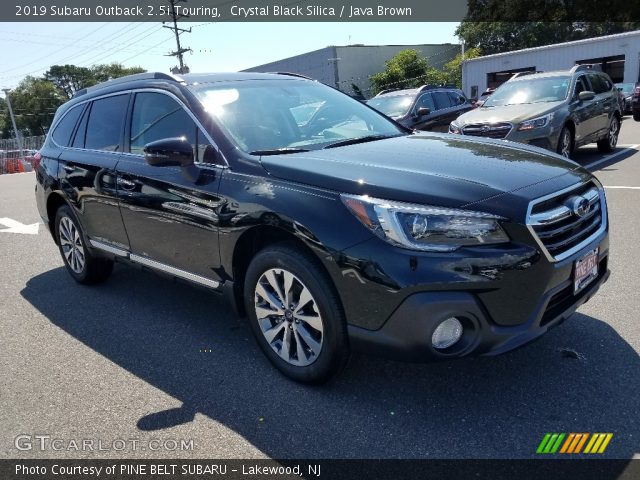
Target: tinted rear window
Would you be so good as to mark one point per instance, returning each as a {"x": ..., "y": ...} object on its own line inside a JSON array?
[
  {"x": 105, "y": 123},
  {"x": 62, "y": 133}
]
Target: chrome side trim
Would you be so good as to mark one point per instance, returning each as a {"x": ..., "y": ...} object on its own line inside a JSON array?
[
  {"x": 154, "y": 264},
  {"x": 108, "y": 248},
  {"x": 173, "y": 271}
]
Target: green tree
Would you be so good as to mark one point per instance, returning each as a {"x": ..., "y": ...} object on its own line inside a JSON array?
[
  {"x": 70, "y": 78},
  {"x": 102, "y": 73},
  {"x": 4, "y": 117},
  {"x": 505, "y": 25},
  {"x": 35, "y": 101},
  {"x": 408, "y": 69},
  {"x": 453, "y": 68}
]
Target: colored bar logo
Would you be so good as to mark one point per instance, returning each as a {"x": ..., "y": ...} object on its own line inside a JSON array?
[{"x": 574, "y": 442}]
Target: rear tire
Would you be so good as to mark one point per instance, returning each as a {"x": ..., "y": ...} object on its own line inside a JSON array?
[
  {"x": 636, "y": 116},
  {"x": 302, "y": 328},
  {"x": 80, "y": 263},
  {"x": 608, "y": 143},
  {"x": 565, "y": 142}
]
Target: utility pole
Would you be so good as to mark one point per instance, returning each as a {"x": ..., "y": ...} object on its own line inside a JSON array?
[
  {"x": 177, "y": 31},
  {"x": 13, "y": 121}
]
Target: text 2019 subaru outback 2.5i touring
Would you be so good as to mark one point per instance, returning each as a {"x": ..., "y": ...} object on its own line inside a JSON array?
[{"x": 332, "y": 227}]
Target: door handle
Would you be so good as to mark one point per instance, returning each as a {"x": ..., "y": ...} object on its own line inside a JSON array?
[
  {"x": 69, "y": 168},
  {"x": 126, "y": 184}
]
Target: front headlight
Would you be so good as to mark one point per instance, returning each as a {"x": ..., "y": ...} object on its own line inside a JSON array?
[
  {"x": 454, "y": 128},
  {"x": 536, "y": 122},
  {"x": 422, "y": 227}
]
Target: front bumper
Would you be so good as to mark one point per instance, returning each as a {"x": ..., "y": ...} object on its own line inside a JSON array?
[
  {"x": 505, "y": 298},
  {"x": 546, "y": 137}
]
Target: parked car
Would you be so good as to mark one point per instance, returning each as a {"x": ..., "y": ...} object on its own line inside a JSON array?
[
  {"x": 626, "y": 94},
  {"x": 635, "y": 103},
  {"x": 426, "y": 108},
  {"x": 559, "y": 111},
  {"x": 345, "y": 231}
]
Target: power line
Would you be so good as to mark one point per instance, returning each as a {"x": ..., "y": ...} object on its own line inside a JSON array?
[{"x": 180, "y": 51}]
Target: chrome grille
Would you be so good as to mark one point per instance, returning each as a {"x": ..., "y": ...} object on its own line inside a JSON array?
[
  {"x": 490, "y": 130},
  {"x": 568, "y": 220}
]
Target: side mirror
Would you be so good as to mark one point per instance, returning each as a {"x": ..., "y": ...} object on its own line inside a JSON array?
[
  {"x": 169, "y": 152},
  {"x": 586, "y": 96},
  {"x": 423, "y": 111}
]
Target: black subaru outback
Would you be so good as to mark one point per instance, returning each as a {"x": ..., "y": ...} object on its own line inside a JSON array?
[{"x": 331, "y": 227}]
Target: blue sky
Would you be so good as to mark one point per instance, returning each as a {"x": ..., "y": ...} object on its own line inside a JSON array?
[{"x": 30, "y": 48}]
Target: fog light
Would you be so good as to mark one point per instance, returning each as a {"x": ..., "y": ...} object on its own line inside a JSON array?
[{"x": 447, "y": 333}]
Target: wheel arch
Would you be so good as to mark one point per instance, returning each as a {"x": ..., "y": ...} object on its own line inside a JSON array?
[
  {"x": 54, "y": 201},
  {"x": 259, "y": 237}
]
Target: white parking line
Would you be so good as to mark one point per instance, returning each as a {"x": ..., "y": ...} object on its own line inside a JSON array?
[
  {"x": 613, "y": 155},
  {"x": 622, "y": 187}
]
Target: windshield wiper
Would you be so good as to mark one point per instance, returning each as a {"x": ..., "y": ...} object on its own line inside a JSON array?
[
  {"x": 353, "y": 141},
  {"x": 279, "y": 151}
]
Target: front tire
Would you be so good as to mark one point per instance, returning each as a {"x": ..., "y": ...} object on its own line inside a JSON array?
[
  {"x": 295, "y": 314},
  {"x": 608, "y": 143},
  {"x": 80, "y": 263},
  {"x": 565, "y": 142}
]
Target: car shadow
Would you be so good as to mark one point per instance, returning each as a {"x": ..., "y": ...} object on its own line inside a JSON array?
[
  {"x": 590, "y": 154},
  {"x": 581, "y": 377}
]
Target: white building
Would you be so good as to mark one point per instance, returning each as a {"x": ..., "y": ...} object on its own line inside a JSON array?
[
  {"x": 618, "y": 55},
  {"x": 343, "y": 67}
]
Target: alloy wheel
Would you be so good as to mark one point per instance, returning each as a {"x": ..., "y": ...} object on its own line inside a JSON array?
[
  {"x": 289, "y": 317},
  {"x": 565, "y": 146},
  {"x": 613, "y": 133},
  {"x": 71, "y": 244}
]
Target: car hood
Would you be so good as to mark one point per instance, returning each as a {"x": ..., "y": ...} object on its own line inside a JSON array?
[
  {"x": 442, "y": 169},
  {"x": 508, "y": 113}
]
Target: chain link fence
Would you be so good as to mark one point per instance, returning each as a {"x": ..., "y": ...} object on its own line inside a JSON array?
[{"x": 14, "y": 161}]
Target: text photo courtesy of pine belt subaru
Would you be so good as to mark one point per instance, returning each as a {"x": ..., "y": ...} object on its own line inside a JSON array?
[
  {"x": 331, "y": 227},
  {"x": 559, "y": 111}
]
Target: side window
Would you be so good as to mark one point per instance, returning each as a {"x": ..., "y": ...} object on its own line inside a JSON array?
[
  {"x": 607, "y": 84},
  {"x": 81, "y": 132},
  {"x": 157, "y": 116},
  {"x": 426, "y": 100},
  {"x": 442, "y": 100},
  {"x": 457, "y": 99},
  {"x": 105, "y": 123},
  {"x": 62, "y": 133},
  {"x": 597, "y": 83},
  {"x": 581, "y": 86}
]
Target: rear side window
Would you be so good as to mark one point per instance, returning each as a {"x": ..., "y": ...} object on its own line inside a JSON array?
[
  {"x": 105, "y": 123},
  {"x": 62, "y": 133},
  {"x": 157, "y": 116},
  {"x": 457, "y": 99},
  {"x": 442, "y": 100},
  {"x": 81, "y": 132}
]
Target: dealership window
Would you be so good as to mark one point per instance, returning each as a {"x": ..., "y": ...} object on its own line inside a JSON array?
[{"x": 495, "y": 79}]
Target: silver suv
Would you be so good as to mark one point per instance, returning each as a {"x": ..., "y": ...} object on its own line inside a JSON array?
[{"x": 559, "y": 111}]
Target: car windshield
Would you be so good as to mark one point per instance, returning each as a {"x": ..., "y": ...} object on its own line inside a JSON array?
[
  {"x": 393, "y": 106},
  {"x": 625, "y": 87},
  {"x": 534, "y": 90},
  {"x": 285, "y": 116}
]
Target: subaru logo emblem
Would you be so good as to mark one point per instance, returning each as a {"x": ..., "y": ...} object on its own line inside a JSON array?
[
  {"x": 579, "y": 206},
  {"x": 485, "y": 128}
]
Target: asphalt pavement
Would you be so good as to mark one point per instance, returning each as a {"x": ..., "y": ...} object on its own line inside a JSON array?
[{"x": 168, "y": 370}]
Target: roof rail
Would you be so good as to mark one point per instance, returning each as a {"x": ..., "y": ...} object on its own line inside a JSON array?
[
  {"x": 586, "y": 66},
  {"x": 292, "y": 74},
  {"x": 129, "y": 78},
  {"x": 431, "y": 87}
]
